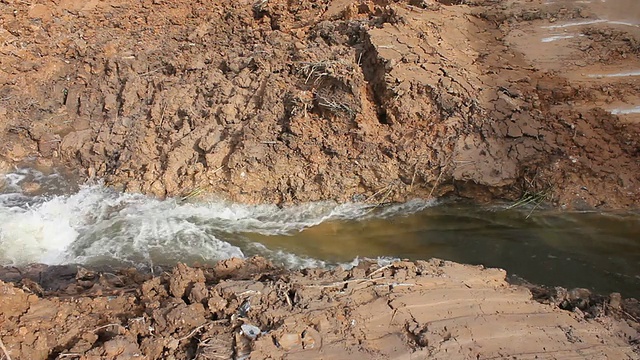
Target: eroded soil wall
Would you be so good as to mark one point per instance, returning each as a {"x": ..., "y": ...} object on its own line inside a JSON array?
[{"x": 290, "y": 101}]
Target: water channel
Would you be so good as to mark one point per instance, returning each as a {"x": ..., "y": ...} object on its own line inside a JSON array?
[{"x": 58, "y": 222}]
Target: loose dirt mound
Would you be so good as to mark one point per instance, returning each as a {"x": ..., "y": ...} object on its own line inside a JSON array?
[
  {"x": 288, "y": 101},
  {"x": 237, "y": 309}
]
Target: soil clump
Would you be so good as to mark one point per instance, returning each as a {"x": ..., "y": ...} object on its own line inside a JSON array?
[
  {"x": 292, "y": 101},
  {"x": 248, "y": 308}
]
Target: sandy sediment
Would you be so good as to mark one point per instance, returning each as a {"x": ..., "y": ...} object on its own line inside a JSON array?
[{"x": 238, "y": 309}]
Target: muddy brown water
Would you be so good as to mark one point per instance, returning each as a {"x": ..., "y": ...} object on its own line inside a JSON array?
[
  {"x": 595, "y": 250},
  {"x": 60, "y": 223}
]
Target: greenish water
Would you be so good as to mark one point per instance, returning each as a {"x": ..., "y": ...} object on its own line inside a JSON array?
[
  {"x": 596, "y": 250},
  {"x": 61, "y": 223}
]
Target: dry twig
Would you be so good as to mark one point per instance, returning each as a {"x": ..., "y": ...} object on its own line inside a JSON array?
[
  {"x": 192, "y": 332},
  {"x": 442, "y": 170},
  {"x": 380, "y": 270},
  {"x": 106, "y": 326},
  {"x": 361, "y": 280},
  {"x": 64, "y": 355},
  {"x": 4, "y": 350}
]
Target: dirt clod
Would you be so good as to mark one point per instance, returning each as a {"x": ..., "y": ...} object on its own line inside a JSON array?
[
  {"x": 429, "y": 309},
  {"x": 283, "y": 102}
]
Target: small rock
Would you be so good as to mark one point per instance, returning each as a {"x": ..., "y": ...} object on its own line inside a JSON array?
[
  {"x": 34, "y": 287},
  {"x": 227, "y": 267},
  {"x": 290, "y": 341},
  {"x": 121, "y": 347},
  {"x": 579, "y": 298},
  {"x": 198, "y": 293},
  {"x": 47, "y": 144},
  {"x": 40, "y": 11},
  {"x": 30, "y": 187},
  {"x": 514, "y": 131},
  {"x": 84, "y": 274},
  {"x": 4, "y": 167},
  {"x": 311, "y": 338},
  {"x": 158, "y": 189},
  {"x": 16, "y": 152},
  {"x": 186, "y": 316},
  {"x": 183, "y": 278},
  {"x": 216, "y": 302},
  {"x": 152, "y": 347},
  {"x": 615, "y": 301},
  {"x": 250, "y": 331},
  {"x": 242, "y": 346}
]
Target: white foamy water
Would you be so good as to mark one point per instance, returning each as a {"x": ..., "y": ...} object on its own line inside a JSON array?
[
  {"x": 616, "y": 75},
  {"x": 98, "y": 225},
  {"x": 575, "y": 23},
  {"x": 626, "y": 23},
  {"x": 626, "y": 111},
  {"x": 590, "y": 22},
  {"x": 557, "y": 37}
]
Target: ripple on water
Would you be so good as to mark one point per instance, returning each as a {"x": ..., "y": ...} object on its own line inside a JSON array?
[
  {"x": 99, "y": 225},
  {"x": 96, "y": 225}
]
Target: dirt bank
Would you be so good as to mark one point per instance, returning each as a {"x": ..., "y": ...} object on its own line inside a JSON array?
[
  {"x": 236, "y": 309},
  {"x": 289, "y": 101}
]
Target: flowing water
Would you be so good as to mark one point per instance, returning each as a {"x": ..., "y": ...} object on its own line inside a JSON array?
[{"x": 59, "y": 223}]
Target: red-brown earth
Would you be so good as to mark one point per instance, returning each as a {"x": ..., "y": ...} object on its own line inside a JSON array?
[
  {"x": 290, "y": 101},
  {"x": 404, "y": 310}
]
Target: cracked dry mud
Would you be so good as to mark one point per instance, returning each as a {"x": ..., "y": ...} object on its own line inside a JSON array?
[
  {"x": 427, "y": 309},
  {"x": 288, "y": 101}
]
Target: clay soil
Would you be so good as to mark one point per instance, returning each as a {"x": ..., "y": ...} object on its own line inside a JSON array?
[
  {"x": 240, "y": 309},
  {"x": 287, "y": 101},
  {"x": 282, "y": 102}
]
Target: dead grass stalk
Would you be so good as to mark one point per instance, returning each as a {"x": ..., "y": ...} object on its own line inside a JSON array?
[{"x": 4, "y": 350}]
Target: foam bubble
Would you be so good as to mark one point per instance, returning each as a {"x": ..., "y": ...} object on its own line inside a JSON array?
[
  {"x": 97, "y": 225},
  {"x": 557, "y": 37},
  {"x": 38, "y": 233},
  {"x": 381, "y": 261},
  {"x": 626, "y": 111}
]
